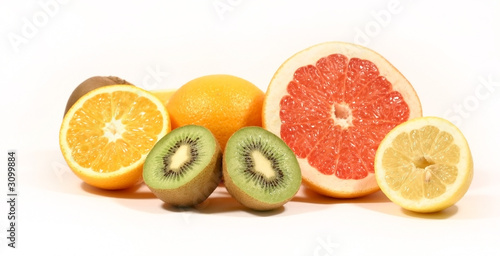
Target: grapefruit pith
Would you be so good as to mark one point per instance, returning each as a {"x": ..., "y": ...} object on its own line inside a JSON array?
[{"x": 333, "y": 103}]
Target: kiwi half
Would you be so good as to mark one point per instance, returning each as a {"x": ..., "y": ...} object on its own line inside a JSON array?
[
  {"x": 184, "y": 167},
  {"x": 260, "y": 171}
]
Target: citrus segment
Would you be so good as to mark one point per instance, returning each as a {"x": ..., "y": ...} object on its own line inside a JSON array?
[
  {"x": 108, "y": 132},
  {"x": 332, "y": 104},
  {"x": 424, "y": 165}
]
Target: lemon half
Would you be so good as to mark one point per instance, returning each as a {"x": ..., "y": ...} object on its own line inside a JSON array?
[{"x": 424, "y": 165}]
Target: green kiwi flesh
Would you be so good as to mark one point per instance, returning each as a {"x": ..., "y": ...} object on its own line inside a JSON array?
[
  {"x": 184, "y": 167},
  {"x": 259, "y": 169},
  {"x": 89, "y": 85}
]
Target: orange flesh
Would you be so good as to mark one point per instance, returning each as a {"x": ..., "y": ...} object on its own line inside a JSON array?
[
  {"x": 337, "y": 113},
  {"x": 109, "y": 131}
]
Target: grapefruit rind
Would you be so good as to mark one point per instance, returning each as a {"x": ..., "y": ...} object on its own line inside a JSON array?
[
  {"x": 331, "y": 185},
  {"x": 454, "y": 192}
]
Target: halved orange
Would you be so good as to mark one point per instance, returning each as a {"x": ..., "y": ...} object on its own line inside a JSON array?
[
  {"x": 332, "y": 104},
  {"x": 106, "y": 135}
]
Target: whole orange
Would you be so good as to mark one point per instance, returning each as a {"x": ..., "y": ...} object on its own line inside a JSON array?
[{"x": 221, "y": 103}]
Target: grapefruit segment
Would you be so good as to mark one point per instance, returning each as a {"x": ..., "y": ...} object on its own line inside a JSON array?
[{"x": 332, "y": 104}]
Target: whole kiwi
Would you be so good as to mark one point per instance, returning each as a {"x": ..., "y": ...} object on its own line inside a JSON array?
[{"x": 91, "y": 84}]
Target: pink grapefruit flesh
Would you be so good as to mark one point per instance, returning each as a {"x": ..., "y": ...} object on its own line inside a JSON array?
[{"x": 333, "y": 103}]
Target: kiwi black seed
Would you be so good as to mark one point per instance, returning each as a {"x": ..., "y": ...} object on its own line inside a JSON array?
[
  {"x": 184, "y": 167},
  {"x": 91, "y": 84},
  {"x": 259, "y": 170}
]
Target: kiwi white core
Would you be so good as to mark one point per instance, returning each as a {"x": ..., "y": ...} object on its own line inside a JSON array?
[
  {"x": 180, "y": 157},
  {"x": 113, "y": 130},
  {"x": 262, "y": 165}
]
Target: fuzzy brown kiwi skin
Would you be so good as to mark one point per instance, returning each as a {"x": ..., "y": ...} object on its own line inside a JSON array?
[
  {"x": 91, "y": 84},
  {"x": 245, "y": 199},
  {"x": 198, "y": 189}
]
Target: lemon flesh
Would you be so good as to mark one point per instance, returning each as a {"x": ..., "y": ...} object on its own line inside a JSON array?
[{"x": 424, "y": 165}]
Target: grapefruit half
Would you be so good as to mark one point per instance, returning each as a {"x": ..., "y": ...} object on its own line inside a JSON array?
[{"x": 332, "y": 104}]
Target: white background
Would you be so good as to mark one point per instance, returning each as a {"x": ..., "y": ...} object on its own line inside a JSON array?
[{"x": 449, "y": 51}]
